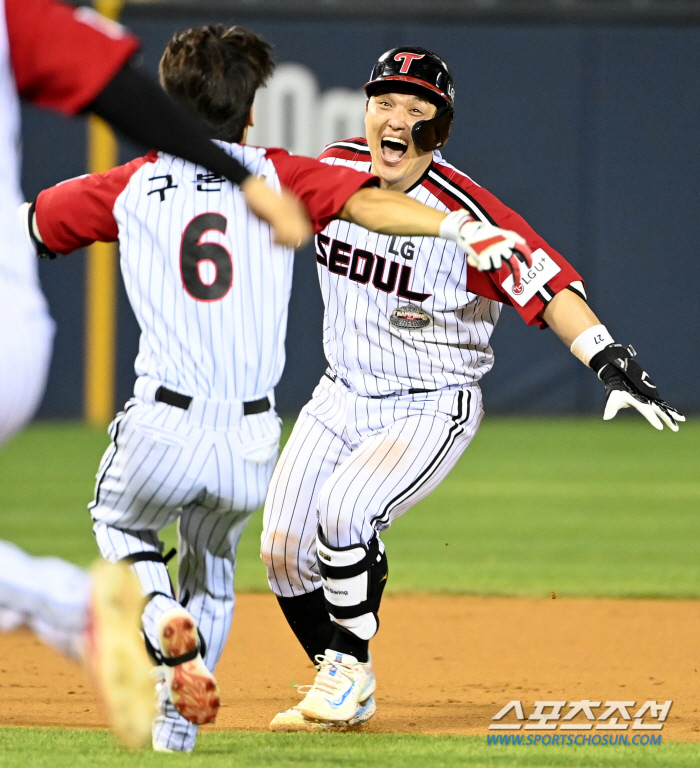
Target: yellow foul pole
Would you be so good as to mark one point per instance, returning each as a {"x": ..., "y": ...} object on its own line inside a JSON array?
[{"x": 101, "y": 278}]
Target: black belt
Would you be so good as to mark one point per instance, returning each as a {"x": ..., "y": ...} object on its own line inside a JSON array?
[
  {"x": 177, "y": 400},
  {"x": 412, "y": 391}
]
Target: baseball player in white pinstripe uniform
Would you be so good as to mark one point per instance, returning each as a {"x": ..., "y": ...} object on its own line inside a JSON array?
[
  {"x": 210, "y": 290},
  {"x": 406, "y": 334}
]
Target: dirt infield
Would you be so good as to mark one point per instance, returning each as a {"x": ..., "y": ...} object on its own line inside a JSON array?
[{"x": 444, "y": 664}]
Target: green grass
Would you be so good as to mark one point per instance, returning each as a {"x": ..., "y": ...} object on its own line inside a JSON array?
[
  {"x": 36, "y": 747},
  {"x": 574, "y": 505},
  {"x": 577, "y": 506}
]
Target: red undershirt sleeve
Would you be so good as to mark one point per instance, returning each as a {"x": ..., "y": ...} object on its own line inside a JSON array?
[
  {"x": 550, "y": 273},
  {"x": 62, "y": 57},
  {"x": 80, "y": 211},
  {"x": 323, "y": 189}
]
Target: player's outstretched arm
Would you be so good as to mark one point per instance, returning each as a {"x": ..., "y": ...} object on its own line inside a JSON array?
[
  {"x": 394, "y": 213},
  {"x": 73, "y": 60},
  {"x": 627, "y": 384}
]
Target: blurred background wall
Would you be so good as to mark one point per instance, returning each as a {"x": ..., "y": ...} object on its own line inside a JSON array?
[{"x": 584, "y": 117}]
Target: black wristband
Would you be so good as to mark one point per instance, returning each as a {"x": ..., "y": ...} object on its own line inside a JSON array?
[
  {"x": 144, "y": 113},
  {"x": 43, "y": 252},
  {"x": 609, "y": 355},
  {"x": 617, "y": 368}
]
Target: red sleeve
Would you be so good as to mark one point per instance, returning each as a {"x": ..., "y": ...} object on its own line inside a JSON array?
[
  {"x": 80, "y": 211},
  {"x": 63, "y": 57},
  {"x": 323, "y": 189},
  {"x": 551, "y": 272}
]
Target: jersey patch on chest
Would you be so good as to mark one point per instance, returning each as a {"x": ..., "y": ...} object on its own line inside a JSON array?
[
  {"x": 537, "y": 276},
  {"x": 410, "y": 317}
]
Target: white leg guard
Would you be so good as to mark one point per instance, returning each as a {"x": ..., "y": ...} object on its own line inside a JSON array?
[{"x": 353, "y": 582}]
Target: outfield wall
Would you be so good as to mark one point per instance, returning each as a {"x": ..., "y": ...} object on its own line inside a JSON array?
[{"x": 588, "y": 130}]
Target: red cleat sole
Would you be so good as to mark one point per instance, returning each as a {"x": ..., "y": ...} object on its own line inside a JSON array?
[{"x": 193, "y": 689}]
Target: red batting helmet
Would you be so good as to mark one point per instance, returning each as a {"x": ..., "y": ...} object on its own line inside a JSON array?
[{"x": 429, "y": 74}]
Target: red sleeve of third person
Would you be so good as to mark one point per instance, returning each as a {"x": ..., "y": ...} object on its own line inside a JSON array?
[
  {"x": 80, "y": 211},
  {"x": 62, "y": 56},
  {"x": 323, "y": 189}
]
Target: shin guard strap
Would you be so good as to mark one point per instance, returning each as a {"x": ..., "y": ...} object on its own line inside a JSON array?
[
  {"x": 156, "y": 557},
  {"x": 174, "y": 661}
]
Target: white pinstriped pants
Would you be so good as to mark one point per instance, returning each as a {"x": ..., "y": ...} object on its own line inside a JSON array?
[
  {"x": 354, "y": 464},
  {"x": 209, "y": 473}
]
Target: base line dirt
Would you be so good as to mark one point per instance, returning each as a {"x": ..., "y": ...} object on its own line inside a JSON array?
[{"x": 444, "y": 664}]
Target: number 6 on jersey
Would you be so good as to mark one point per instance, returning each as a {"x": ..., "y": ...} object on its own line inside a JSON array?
[{"x": 194, "y": 256}]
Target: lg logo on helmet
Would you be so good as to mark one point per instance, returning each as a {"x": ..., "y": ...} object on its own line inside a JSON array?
[{"x": 407, "y": 59}]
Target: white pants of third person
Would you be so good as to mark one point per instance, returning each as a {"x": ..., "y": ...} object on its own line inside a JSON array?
[
  {"x": 47, "y": 594},
  {"x": 26, "y": 339},
  {"x": 354, "y": 464},
  {"x": 208, "y": 468}
]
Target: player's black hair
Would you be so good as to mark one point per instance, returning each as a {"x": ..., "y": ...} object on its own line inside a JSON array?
[{"x": 217, "y": 71}]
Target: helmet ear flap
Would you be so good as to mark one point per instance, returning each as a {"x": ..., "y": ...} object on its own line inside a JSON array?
[{"x": 432, "y": 134}]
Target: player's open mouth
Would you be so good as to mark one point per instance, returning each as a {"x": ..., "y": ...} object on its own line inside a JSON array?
[{"x": 393, "y": 149}]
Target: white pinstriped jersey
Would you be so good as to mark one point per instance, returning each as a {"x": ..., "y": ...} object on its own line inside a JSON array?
[
  {"x": 43, "y": 49},
  {"x": 208, "y": 285},
  {"x": 50, "y": 55},
  {"x": 366, "y": 277},
  {"x": 17, "y": 262}
]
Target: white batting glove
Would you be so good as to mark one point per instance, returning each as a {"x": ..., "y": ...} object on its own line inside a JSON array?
[
  {"x": 487, "y": 247},
  {"x": 655, "y": 413},
  {"x": 628, "y": 385}
]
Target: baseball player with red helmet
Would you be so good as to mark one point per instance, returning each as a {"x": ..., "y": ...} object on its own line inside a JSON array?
[
  {"x": 210, "y": 289},
  {"x": 406, "y": 336}
]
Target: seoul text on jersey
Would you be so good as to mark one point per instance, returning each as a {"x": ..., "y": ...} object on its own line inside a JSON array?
[{"x": 361, "y": 266}]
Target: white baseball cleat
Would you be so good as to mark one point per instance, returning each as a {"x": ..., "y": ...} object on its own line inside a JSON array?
[
  {"x": 192, "y": 688},
  {"x": 115, "y": 654},
  {"x": 293, "y": 720},
  {"x": 342, "y": 683}
]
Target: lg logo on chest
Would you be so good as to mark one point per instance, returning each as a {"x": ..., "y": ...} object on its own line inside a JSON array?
[{"x": 363, "y": 266}]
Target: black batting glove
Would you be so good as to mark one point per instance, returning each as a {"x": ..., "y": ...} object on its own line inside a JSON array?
[{"x": 628, "y": 385}]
